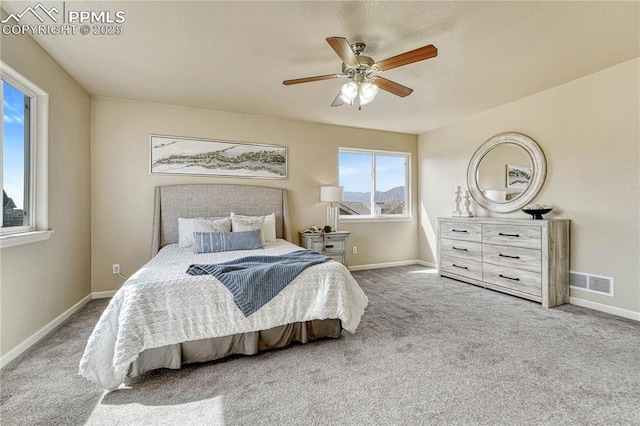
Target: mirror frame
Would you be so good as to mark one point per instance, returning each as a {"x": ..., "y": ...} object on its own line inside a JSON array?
[{"x": 538, "y": 172}]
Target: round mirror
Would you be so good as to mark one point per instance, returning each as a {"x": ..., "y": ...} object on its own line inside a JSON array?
[{"x": 506, "y": 172}]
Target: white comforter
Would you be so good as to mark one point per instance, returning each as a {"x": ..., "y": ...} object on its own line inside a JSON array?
[{"x": 162, "y": 305}]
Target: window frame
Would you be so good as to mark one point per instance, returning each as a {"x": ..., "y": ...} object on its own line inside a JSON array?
[
  {"x": 37, "y": 230},
  {"x": 373, "y": 217}
]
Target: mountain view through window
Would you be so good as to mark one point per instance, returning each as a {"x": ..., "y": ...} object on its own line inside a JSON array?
[{"x": 367, "y": 173}]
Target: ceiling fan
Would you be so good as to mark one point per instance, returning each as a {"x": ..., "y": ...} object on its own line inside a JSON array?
[{"x": 363, "y": 72}]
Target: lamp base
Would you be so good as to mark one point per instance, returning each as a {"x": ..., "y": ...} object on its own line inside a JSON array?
[{"x": 332, "y": 218}]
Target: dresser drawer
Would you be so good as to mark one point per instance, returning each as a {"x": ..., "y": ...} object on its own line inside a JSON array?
[
  {"x": 463, "y": 267},
  {"x": 461, "y": 231},
  {"x": 513, "y": 257},
  {"x": 515, "y": 279},
  {"x": 460, "y": 248},
  {"x": 513, "y": 235}
]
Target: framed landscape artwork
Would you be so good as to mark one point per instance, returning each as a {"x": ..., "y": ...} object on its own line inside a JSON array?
[
  {"x": 178, "y": 156},
  {"x": 518, "y": 176}
]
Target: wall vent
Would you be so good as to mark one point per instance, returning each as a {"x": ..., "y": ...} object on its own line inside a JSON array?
[{"x": 591, "y": 283}]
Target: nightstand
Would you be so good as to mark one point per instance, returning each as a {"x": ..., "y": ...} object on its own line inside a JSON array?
[{"x": 335, "y": 244}]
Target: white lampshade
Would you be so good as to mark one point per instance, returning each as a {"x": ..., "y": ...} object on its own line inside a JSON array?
[{"x": 331, "y": 193}]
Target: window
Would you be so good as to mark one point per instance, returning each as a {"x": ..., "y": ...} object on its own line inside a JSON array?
[
  {"x": 23, "y": 160},
  {"x": 16, "y": 160},
  {"x": 376, "y": 184}
]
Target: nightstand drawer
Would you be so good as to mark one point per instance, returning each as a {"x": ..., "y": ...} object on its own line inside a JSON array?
[
  {"x": 332, "y": 243},
  {"x": 329, "y": 245},
  {"x": 337, "y": 257},
  {"x": 460, "y": 248},
  {"x": 461, "y": 231},
  {"x": 311, "y": 243}
]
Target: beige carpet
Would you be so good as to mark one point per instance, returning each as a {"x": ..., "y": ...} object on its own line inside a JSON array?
[{"x": 429, "y": 351}]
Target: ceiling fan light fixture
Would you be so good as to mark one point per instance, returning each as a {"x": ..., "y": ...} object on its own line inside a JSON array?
[
  {"x": 368, "y": 92},
  {"x": 361, "y": 70},
  {"x": 349, "y": 91}
]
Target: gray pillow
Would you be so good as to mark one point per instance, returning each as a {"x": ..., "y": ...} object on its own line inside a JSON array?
[{"x": 214, "y": 242}]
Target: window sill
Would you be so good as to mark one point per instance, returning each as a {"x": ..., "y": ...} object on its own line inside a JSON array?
[
  {"x": 375, "y": 219},
  {"x": 24, "y": 238}
]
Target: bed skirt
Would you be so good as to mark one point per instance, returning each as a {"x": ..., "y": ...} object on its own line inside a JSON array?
[{"x": 174, "y": 356}]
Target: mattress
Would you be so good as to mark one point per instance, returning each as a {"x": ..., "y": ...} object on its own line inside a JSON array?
[{"x": 161, "y": 305}]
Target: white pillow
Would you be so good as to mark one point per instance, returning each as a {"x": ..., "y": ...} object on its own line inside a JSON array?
[
  {"x": 247, "y": 223},
  {"x": 269, "y": 227},
  {"x": 187, "y": 226}
]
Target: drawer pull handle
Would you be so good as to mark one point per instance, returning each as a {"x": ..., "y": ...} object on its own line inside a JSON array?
[
  {"x": 459, "y": 230},
  {"x": 509, "y": 235},
  {"x": 329, "y": 246},
  {"x": 509, "y": 278},
  {"x": 510, "y": 257},
  {"x": 458, "y": 248},
  {"x": 458, "y": 266}
]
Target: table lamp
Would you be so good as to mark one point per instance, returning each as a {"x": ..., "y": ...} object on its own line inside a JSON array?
[{"x": 332, "y": 194}]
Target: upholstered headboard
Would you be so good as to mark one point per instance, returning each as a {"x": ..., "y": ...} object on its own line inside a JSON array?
[{"x": 214, "y": 200}]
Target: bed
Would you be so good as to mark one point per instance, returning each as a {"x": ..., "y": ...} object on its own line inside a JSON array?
[{"x": 163, "y": 318}]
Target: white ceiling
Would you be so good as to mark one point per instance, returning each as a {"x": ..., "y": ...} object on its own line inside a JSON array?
[{"x": 233, "y": 56}]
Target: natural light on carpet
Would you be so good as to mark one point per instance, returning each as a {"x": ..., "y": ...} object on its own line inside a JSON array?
[
  {"x": 425, "y": 271},
  {"x": 155, "y": 409}
]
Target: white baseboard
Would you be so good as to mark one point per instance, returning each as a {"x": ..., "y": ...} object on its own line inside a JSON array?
[
  {"x": 625, "y": 313},
  {"x": 427, "y": 264},
  {"x": 391, "y": 265},
  {"x": 34, "y": 338},
  {"x": 102, "y": 294}
]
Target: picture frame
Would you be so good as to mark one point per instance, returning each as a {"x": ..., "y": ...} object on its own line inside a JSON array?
[
  {"x": 518, "y": 176},
  {"x": 175, "y": 155}
]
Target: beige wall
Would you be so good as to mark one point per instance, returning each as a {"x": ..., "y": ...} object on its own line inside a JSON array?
[
  {"x": 122, "y": 188},
  {"x": 42, "y": 280},
  {"x": 589, "y": 131}
]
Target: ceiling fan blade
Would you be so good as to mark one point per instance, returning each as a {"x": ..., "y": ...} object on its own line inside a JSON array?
[
  {"x": 343, "y": 49},
  {"x": 392, "y": 87},
  {"x": 310, "y": 79},
  {"x": 337, "y": 101},
  {"x": 406, "y": 58}
]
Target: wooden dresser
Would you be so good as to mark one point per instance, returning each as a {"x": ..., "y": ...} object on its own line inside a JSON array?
[{"x": 525, "y": 258}]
